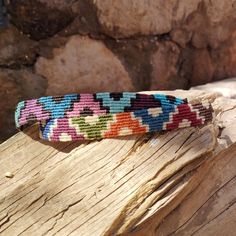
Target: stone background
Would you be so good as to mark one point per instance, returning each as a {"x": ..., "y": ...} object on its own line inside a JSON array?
[{"x": 62, "y": 46}]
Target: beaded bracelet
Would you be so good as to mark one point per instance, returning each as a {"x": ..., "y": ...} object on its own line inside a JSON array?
[{"x": 104, "y": 115}]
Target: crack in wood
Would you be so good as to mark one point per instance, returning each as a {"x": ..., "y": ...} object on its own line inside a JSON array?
[
  {"x": 207, "y": 200},
  {"x": 219, "y": 214},
  {"x": 118, "y": 184}
]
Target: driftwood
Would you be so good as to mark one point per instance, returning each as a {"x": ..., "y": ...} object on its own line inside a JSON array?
[{"x": 172, "y": 183}]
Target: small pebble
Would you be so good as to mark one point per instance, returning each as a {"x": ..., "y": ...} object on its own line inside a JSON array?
[{"x": 9, "y": 175}]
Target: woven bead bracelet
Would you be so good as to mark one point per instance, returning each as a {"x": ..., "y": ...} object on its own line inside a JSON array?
[{"x": 104, "y": 115}]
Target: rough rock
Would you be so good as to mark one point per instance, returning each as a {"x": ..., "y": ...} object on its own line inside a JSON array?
[
  {"x": 203, "y": 68},
  {"x": 224, "y": 59},
  {"x": 211, "y": 24},
  {"x": 222, "y": 18},
  {"x": 16, "y": 49},
  {"x": 58, "y": 4},
  {"x": 165, "y": 63},
  {"x": 85, "y": 21},
  {"x": 16, "y": 85},
  {"x": 83, "y": 65},
  {"x": 143, "y": 17},
  {"x": 180, "y": 36},
  {"x": 40, "y": 19},
  {"x": 135, "y": 56},
  {"x": 201, "y": 22}
]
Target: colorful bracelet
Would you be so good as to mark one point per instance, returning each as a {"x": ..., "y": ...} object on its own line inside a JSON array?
[
  {"x": 73, "y": 105},
  {"x": 104, "y": 115}
]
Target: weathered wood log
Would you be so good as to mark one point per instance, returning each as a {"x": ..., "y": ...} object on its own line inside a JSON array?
[{"x": 171, "y": 183}]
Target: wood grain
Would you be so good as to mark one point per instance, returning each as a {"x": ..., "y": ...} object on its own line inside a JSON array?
[{"x": 171, "y": 183}]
